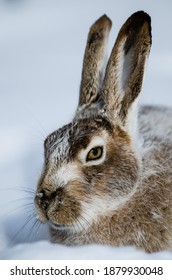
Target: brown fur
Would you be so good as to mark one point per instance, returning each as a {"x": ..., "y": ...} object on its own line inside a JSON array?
[
  {"x": 123, "y": 198},
  {"x": 93, "y": 60}
]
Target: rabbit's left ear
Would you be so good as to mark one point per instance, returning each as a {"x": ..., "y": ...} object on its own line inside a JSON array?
[
  {"x": 125, "y": 69},
  {"x": 93, "y": 61}
]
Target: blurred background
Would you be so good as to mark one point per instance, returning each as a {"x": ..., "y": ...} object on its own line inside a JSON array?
[{"x": 42, "y": 44}]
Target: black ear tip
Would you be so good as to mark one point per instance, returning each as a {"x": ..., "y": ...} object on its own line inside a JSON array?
[
  {"x": 141, "y": 16},
  {"x": 137, "y": 20}
]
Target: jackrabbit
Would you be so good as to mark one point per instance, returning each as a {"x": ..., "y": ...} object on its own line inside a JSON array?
[{"x": 107, "y": 178}]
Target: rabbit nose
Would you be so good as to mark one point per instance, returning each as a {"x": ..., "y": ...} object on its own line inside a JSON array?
[{"x": 43, "y": 200}]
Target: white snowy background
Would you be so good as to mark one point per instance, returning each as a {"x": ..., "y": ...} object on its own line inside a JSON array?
[{"x": 41, "y": 50}]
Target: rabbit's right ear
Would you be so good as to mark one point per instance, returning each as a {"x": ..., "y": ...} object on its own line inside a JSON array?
[
  {"x": 93, "y": 61},
  {"x": 125, "y": 69}
]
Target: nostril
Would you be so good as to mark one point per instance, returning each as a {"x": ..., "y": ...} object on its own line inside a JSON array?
[{"x": 40, "y": 194}]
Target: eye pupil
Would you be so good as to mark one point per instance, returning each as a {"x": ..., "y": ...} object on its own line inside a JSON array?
[{"x": 95, "y": 153}]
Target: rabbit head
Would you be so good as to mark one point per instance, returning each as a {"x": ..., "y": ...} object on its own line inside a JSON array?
[{"x": 92, "y": 165}]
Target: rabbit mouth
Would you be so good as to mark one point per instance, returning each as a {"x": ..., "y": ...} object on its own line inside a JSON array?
[{"x": 60, "y": 226}]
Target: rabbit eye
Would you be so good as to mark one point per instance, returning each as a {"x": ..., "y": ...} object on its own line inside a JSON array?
[{"x": 95, "y": 153}]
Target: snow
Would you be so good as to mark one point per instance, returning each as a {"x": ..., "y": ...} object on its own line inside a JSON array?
[
  {"x": 42, "y": 45},
  {"x": 89, "y": 252}
]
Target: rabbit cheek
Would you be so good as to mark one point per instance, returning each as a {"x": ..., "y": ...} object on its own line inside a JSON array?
[{"x": 124, "y": 158}]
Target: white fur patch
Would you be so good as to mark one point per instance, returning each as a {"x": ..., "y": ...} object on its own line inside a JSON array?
[
  {"x": 100, "y": 206},
  {"x": 132, "y": 126},
  {"x": 66, "y": 173}
]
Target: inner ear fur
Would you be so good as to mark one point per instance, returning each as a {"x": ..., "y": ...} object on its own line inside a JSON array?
[{"x": 125, "y": 69}]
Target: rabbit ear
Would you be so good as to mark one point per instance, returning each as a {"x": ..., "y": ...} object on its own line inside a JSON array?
[
  {"x": 93, "y": 61},
  {"x": 125, "y": 69}
]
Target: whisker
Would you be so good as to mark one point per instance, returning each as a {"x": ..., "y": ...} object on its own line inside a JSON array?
[
  {"x": 38, "y": 135},
  {"x": 29, "y": 218},
  {"x": 34, "y": 223},
  {"x": 75, "y": 219},
  {"x": 22, "y": 199},
  {"x": 42, "y": 133},
  {"x": 37, "y": 226},
  {"x": 24, "y": 206},
  {"x": 78, "y": 223},
  {"x": 24, "y": 190},
  {"x": 91, "y": 218},
  {"x": 85, "y": 221}
]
